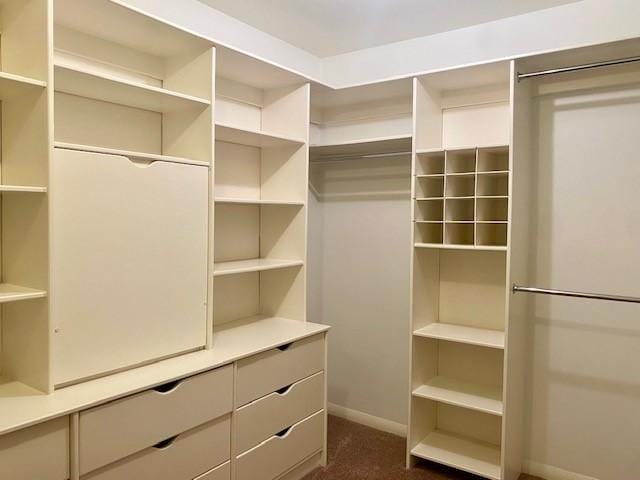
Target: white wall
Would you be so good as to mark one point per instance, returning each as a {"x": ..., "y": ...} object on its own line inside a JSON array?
[{"x": 359, "y": 238}]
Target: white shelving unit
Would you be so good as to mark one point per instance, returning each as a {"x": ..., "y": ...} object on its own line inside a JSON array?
[{"x": 461, "y": 214}]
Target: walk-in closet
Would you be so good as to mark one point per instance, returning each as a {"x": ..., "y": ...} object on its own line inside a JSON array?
[{"x": 298, "y": 240}]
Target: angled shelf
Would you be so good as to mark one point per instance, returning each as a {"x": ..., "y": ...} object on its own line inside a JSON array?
[
  {"x": 469, "y": 455},
  {"x": 15, "y": 293},
  {"x": 129, "y": 153},
  {"x": 12, "y": 85},
  {"x": 483, "y": 398},
  {"x": 110, "y": 88},
  {"x": 253, "y": 265},
  {"x": 458, "y": 333},
  {"x": 254, "y": 138},
  {"x": 256, "y": 201}
]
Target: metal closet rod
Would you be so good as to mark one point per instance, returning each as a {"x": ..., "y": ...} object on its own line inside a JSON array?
[
  {"x": 566, "y": 293},
  {"x": 575, "y": 68}
]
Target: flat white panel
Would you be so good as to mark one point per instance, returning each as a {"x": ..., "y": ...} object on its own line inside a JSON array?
[
  {"x": 238, "y": 114},
  {"x": 129, "y": 262},
  {"x": 477, "y": 125},
  {"x": 237, "y": 171}
]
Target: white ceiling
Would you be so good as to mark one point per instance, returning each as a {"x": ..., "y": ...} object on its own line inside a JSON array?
[{"x": 331, "y": 27}]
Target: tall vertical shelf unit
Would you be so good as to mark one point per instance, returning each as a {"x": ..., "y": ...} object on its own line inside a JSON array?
[
  {"x": 461, "y": 193},
  {"x": 25, "y": 93},
  {"x": 260, "y": 195}
]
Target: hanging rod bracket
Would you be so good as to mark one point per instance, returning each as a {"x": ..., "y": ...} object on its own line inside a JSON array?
[{"x": 566, "y": 293}]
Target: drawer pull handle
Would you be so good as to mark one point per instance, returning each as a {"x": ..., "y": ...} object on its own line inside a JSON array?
[
  {"x": 284, "y": 390},
  {"x": 141, "y": 162},
  {"x": 164, "y": 444},
  {"x": 284, "y": 347},
  {"x": 284, "y": 433},
  {"x": 167, "y": 387}
]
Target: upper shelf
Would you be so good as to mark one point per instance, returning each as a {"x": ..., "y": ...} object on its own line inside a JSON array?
[
  {"x": 370, "y": 147},
  {"x": 22, "y": 189},
  {"x": 254, "y": 138},
  {"x": 257, "y": 201},
  {"x": 14, "y": 293},
  {"x": 109, "y": 88},
  {"x": 253, "y": 265},
  {"x": 12, "y": 85}
]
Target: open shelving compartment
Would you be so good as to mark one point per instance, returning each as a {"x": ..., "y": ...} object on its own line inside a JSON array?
[
  {"x": 459, "y": 269},
  {"x": 24, "y": 180},
  {"x": 142, "y": 96},
  {"x": 260, "y": 196}
]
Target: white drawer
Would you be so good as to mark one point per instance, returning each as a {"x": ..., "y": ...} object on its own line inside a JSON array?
[
  {"x": 115, "y": 430},
  {"x": 259, "y": 420},
  {"x": 269, "y": 371},
  {"x": 36, "y": 453},
  {"x": 181, "y": 458},
  {"x": 223, "y": 472},
  {"x": 280, "y": 453}
]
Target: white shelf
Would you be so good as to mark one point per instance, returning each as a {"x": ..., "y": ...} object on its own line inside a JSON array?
[
  {"x": 473, "y": 396},
  {"x": 256, "y": 201},
  {"x": 489, "y": 248},
  {"x": 129, "y": 153},
  {"x": 427, "y": 199},
  {"x": 464, "y": 454},
  {"x": 109, "y": 88},
  {"x": 363, "y": 148},
  {"x": 253, "y": 265},
  {"x": 22, "y": 188},
  {"x": 254, "y": 138},
  {"x": 12, "y": 85},
  {"x": 461, "y": 334},
  {"x": 15, "y": 293}
]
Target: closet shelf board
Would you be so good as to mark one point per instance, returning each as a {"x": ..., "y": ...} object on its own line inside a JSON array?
[
  {"x": 482, "y": 398},
  {"x": 431, "y": 175},
  {"x": 14, "y": 293},
  {"x": 109, "y": 88},
  {"x": 493, "y": 173},
  {"x": 461, "y": 334},
  {"x": 256, "y": 201},
  {"x": 254, "y": 138},
  {"x": 426, "y": 199},
  {"x": 22, "y": 188},
  {"x": 22, "y": 406},
  {"x": 362, "y": 147},
  {"x": 12, "y": 85},
  {"x": 489, "y": 248},
  {"x": 129, "y": 154},
  {"x": 471, "y": 456},
  {"x": 253, "y": 265}
]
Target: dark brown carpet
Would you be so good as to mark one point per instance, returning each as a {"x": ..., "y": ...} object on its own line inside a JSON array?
[{"x": 357, "y": 452}]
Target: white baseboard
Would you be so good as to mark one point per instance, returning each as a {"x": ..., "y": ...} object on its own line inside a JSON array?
[
  {"x": 549, "y": 472},
  {"x": 368, "y": 420}
]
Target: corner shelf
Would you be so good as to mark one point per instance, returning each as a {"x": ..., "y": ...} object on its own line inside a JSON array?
[
  {"x": 254, "y": 138},
  {"x": 110, "y": 88},
  {"x": 257, "y": 201},
  {"x": 12, "y": 85},
  {"x": 129, "y": 153},
  {"x": 15, "y": 293},
  {"x": 459, "y": 333},
  {"x": 253, "y": 265},
  {"x": 482, "y": 398},
  {"x": 471, "y": 456}
]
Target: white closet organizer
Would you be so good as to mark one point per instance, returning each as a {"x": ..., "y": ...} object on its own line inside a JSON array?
[{"x": 462, "y": 137}]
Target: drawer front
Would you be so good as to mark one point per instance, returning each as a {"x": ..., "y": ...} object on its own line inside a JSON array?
[
  {"x": 269, "y": 371},
  {"x": 40, "y": 452},
  {"x": 128, "y": 262},
  {"x": 223, "y": 472},
  {"x": 118, "y": 429},
  {"x": 278, "y": 454},
  {"x": 257, "y": 421},
  {"x": 187, "y": 456}
]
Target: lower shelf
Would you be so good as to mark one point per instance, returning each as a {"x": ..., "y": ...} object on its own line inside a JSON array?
[
  {"x": 459, "y": 333},
  {"x": 464, "y": 454},
  {"x": 14, "y": 293},
  {"x": 483, "y": 398}
]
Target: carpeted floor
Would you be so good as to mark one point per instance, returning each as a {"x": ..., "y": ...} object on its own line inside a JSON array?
[{"x": 357, "y": 452}]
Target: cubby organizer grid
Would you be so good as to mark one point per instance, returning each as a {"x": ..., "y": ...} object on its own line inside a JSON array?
[{"x": 462, "y": 197}]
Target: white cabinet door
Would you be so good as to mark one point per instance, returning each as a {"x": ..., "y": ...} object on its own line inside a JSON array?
[{"x": 128, "y": 262}]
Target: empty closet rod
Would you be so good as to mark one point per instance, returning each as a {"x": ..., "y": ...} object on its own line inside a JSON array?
[
  {"x": 344, "y": 158},
  {"x": 575, "y": 68},
  {"x": 565, "y": 293}
]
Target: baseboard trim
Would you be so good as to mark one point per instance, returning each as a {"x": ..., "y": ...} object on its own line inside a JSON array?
[
  {"x": 549, "y": 472},
  {"x": 368, "y": 420}
]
